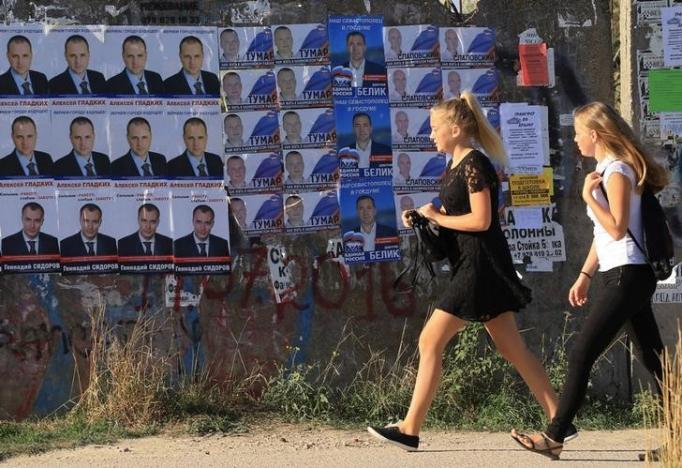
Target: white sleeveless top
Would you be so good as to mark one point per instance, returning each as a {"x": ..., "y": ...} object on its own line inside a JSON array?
[{"x": 610, "y": 252}]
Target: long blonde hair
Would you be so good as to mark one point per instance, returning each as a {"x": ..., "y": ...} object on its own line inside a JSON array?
[
  {"x": 620, "y": 142},
  {"x": 466, "y": 113}
]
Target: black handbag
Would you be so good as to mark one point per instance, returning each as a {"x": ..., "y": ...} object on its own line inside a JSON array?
[{"x": 433, "y": 245}]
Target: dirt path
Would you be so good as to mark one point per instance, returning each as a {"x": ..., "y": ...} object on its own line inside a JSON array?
[{"x": 311, "y": 446}]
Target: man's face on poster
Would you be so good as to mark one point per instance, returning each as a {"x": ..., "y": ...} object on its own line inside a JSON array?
[
  {"x": 148, "y": 221},
  {"x": 82, "y": 138},
  {"x": 292, "y": 125},
  {"x": 404, "y": 164},
  {"x": 195, "y": 138},
  {"x": 238, "y": 208},
  {"x": 287, "y": 82},
  {"x": 32, "y": 221},
  {"x": 406, "y": 203},
  {"x": 451, "y": 40},
  {"x": 366, "y": 211},
  {"x": 362, "y": 128},
  {"x": 90, "y": 223},
  {"x": 402, "y": 122},
  {"x": 229, "y": 42},
  {"x": 139, "y": 139},
  {"x": 236, "y": 170},
  {"x": 19, "y": 56},
  {"x": 234, "y": 128},
  {"x": 203, "y": 223},
  {"x": 135, "y": 57},
  {"x": 454, "y": 83},
  {"x": 395, "y": 39},
  {"x": 294, "y": 210},
  {"x": 294, "y": 165},
  {"x": 192, "y": 57},
  {"x": 284, "y": 42},
  {"x": 356, "y": 48},
  {"x": 399, "y": 81},
  {"x": 24, "y": 137},
  {"x": 232, "y": 87},
  {"x": 77, "y": 56}
]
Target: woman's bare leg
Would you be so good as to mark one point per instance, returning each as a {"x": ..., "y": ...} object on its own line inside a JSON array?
[
  {"x": 437, "y": 333},
  {"x": 511, "y": 346}
]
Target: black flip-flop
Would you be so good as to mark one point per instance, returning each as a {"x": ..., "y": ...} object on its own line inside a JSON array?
[{"x": 547, "y": 451}]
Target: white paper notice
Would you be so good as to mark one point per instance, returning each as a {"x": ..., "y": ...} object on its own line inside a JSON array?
[
  {"x": 522, "y": 135},
  {"x": 528, "y": 217},
  {"x": 671, "y": 19},
  {"x": 540, "y": 264},
  {"x": 671, "y": 124}
]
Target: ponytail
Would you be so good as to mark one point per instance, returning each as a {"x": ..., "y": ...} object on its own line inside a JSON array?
[{"x": 466, "y": 112}]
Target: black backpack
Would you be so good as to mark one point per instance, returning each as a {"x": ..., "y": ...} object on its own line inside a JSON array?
[{"x": 658, "y": 240}]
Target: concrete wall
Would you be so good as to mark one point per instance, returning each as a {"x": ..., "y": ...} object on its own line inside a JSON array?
[{"x": 44, "y": 321}]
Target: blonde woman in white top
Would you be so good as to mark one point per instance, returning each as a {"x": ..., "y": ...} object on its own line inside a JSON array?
[{"x": 623, "y": 171}]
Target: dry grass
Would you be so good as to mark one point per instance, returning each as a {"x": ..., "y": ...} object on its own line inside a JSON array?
[
  {"x": 127, "y": 378},
  {"x": 668, "y": 414}
]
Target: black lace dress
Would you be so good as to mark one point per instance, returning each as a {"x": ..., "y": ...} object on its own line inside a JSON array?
[{"x": 483, "y": 283}]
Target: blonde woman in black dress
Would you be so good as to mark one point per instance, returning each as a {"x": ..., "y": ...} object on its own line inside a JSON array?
[{"x": 484, "y": 286}]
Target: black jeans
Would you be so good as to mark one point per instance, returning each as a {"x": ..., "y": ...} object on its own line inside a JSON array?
[{"x": 625, "y": 297}]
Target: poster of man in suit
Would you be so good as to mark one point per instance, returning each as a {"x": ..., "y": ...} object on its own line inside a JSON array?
[
  {"x": 87, "y": 223},
  {"x": 23, "y": 52},
  {"x": 25, "y": 150},
  {"x": 144, "y": 227},
  {"x": 76, "y": 62},
  {"x": 200, "y": 227},
  {"x": 29, "y": 226}
]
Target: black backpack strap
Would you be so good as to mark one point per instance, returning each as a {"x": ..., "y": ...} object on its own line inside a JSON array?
[{"x": 603, "y": 190}]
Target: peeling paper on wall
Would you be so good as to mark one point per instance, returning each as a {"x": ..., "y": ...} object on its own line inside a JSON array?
[
  {"x": 252, "y": 11},
  {"x": 280, "y": 274},
  {"x": 180, "y": 297},
  {"x": 670, "y": 290}
]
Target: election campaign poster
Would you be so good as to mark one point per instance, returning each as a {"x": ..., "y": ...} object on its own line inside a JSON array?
[
  {"x": 259, "y": 214},
  {"x": 414, "y": 45},
  {"x": 76, "y": 59},
  {"x": 411, "y": 129},
  {"x": 25, "y": 127},
  {"x": 481, "y": 82},
  {"x": 415, "y": 171},
  {"x": 253, "y": 173},
  {"x": 200, "y": 227},
  {"x": 253, "y": 89},
  {"x": 193, "y": 137},
  {"x": 133, "y": 56},
  {"x": 357, "y": 56},
  {"x": 188, "y": 61},
  {"x": 80, "y": 137},
  {"x": 368, "y": 220},
  {"x": 304, "y": 86},
  {"x": 27, "y": 43},
  {"x": 467, "y": 47},
  {"x": 29, "y": 225},
  {"x": 297, "y": 44},
  {"x": 412, "y": 201},
  {"x": 414, "y": 87},
  {"x": 310, "y": 169},
  {"x": 311, "y": 211},
  {"x": 137, "y": 129},
  {"x": 251, "y": 132},
  {"x": 363, "y": 137},
  {"x": 143, "y": 226},
  {"x": 307, "y": 128},
  {"x": 245, "y": 47},
  {"x": 87, "y": 221}
]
